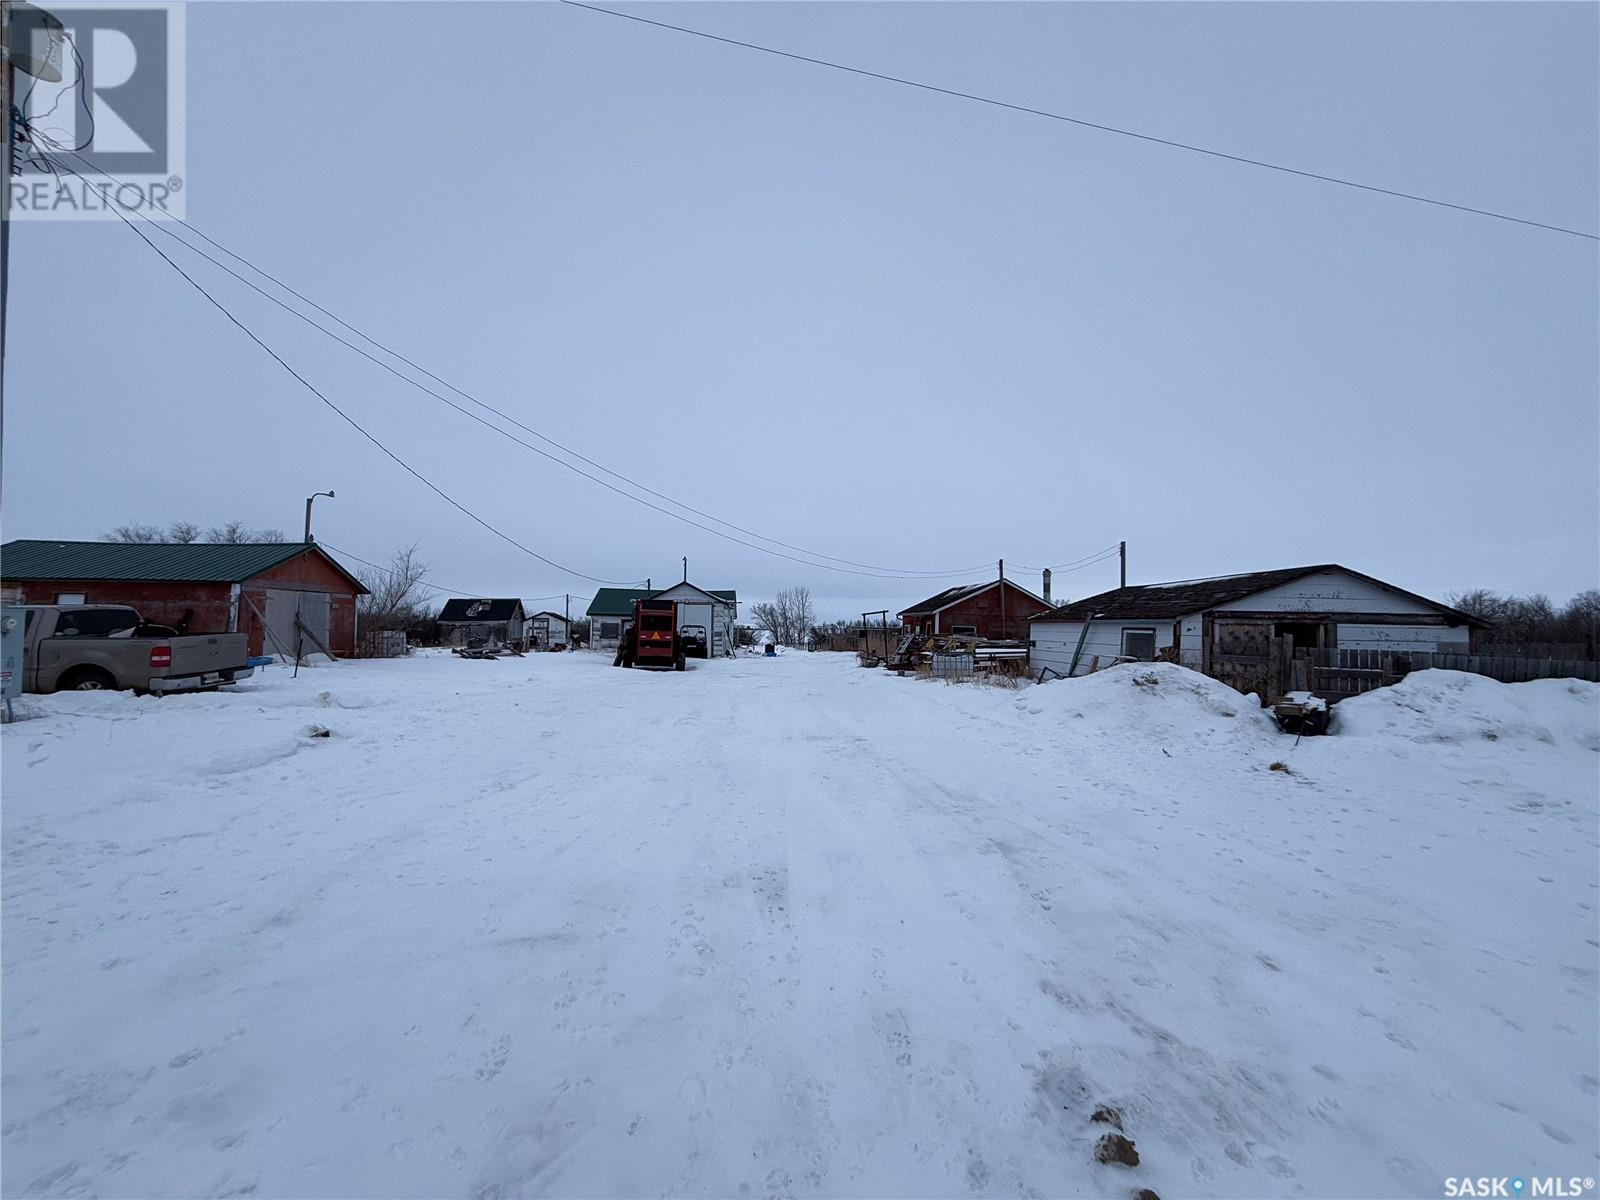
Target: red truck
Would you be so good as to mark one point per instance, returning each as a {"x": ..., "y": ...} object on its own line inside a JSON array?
[{"x": 651, "y": 640}]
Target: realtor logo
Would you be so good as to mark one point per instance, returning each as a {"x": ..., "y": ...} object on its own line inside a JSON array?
[{"x": 109, "y": 132}]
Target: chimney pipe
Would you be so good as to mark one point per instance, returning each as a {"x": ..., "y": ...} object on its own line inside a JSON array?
[{"x": 1047, "y": 585}]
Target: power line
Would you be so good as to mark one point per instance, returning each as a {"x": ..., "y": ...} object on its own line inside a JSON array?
[
  {"x": 861, "y": 569},
  {"x": 866, "y": 569},
  {"x": 1077, "y": 564},
  {"x": 435, "y": 587},
  {"x": 351, "y": 421},
  {"x": 323, "y": 542},
  {"x": 1055, "y": 116}
]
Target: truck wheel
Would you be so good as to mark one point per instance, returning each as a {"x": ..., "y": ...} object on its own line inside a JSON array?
[
  {"x": 87, "y": 679},
  {"x": 677, "y": 663}
]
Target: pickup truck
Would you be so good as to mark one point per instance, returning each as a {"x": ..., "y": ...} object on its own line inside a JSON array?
[{"x": 90, "y": 647}]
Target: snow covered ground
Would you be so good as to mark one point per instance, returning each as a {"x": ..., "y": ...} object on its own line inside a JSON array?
[{"x": 769, "y": 927}]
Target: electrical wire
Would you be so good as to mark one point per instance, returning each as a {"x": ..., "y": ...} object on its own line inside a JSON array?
[
  {"x": 1055, "y": 116},
  {"x": 352, "y": 422},
  {"x": 327, "y": 545},
  {"x": 856, "y": 569},
  {"x": 866, "y": 569},
  {"x": 79, "y": 90},
  {"x": 1077, "y": 564},
  {"x": 435, "y": 587}
]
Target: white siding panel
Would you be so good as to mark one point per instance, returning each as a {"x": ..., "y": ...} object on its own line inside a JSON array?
[
  {"x": 1330, "y": 591},
  {"x": 1428, "y": 638},
  {"x": 1055, "y": 642}
]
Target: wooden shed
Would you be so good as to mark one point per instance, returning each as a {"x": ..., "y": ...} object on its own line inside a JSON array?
[
  {"x": 259, "y": 588},
  {"x": 465, "y": 620},
  {"x": 548, "y": 630}
]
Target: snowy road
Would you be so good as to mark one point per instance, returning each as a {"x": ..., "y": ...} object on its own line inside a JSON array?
[{"x": 541, "y": 927}]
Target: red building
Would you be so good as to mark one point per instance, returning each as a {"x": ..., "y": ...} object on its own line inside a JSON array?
[
  {"x": 259, "y": 588},
  {"x": 987, "y": 610}
]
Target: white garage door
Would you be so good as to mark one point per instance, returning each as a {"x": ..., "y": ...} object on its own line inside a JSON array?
[{"x": 282, "y": 607}]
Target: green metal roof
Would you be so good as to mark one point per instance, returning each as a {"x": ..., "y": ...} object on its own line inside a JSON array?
[
  {"x": 618, "y": 602},
  {"x": 192, "y": 562},
  {"x": 615, "y": 602}
]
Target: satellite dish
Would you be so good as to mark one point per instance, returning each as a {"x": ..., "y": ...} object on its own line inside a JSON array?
[{"x": 37, "y": 42}]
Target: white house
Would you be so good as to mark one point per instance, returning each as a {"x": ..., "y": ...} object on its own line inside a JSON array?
[{"x": 1204, "y": 622}]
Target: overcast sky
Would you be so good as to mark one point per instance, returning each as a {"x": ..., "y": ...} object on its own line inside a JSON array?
[{"x": 881, "y": 324}]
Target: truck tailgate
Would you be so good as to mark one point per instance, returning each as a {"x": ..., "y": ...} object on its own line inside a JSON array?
[{"x": 205, "y": 653}]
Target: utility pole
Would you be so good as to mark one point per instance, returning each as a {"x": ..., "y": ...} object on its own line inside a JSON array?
[
  {"x": 1002, "y": 599},
  {"x": 1122, "y": 554},
  {"x": 686, "y": 568},
  {"x": 41, "y": 57},
  {"x": 566, "y": 615},
  {"x": 7, "y": 92}
]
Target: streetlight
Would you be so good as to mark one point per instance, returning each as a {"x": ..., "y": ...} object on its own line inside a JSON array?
[{"x": 309, "y": 499}]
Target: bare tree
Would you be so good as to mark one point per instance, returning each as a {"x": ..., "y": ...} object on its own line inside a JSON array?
[
  {"x": 184, "y": 532},
  {"x": 235, "y": 533},
  {"x": 398, "y": 595},
  {"x": 134, "y": 533},
  {"x": 801, "y": 615},
  {"x": 788, "y": 616},
  {"x": 1534, "y": 620}
]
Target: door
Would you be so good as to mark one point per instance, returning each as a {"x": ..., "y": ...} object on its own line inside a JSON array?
[{"x": 281, "y": 637}]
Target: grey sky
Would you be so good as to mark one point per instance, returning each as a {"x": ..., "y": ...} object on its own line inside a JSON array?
[{"x": 882, "y": 324}]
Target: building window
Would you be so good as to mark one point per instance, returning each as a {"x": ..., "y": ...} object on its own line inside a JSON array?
[
  {"x": 609, "y": 629},
  {"x": 1139, "y": 644},
  {"x": 70, "y": 598},
  {"x": 967, "y": 629}
]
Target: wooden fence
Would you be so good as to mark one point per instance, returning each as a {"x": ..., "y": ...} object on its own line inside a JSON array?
[{"x": 1337, "y": 674}]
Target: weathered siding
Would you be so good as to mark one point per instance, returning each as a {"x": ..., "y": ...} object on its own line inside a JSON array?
[
  {"x": 1430, "y": 638},
  {"x": 1330, "y": 592},
  {"x": 1054, "y": 642}
]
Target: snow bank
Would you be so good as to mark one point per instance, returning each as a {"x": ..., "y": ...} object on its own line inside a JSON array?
[
  {"x": 1152, "y": 703},
  {"x": 1456, "y": 707}
]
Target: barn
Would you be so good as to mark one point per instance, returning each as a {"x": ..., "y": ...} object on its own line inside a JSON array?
[
  {"x": 1213, "y": 625},
  {"x": 260, "y": 588},
  {"x": 997, "y": 610},
  {"x": 464, "y": 620}
]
